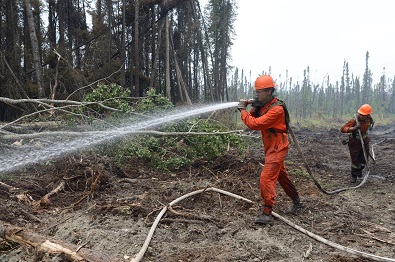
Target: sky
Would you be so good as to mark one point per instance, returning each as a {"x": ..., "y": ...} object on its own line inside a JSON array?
[{"x": 294, "y": 34}]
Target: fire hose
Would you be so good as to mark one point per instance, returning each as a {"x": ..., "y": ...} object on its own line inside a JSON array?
[
  {"x": 311, "y": 173},
  {"x": 141, "y": 253},
  {"x": 257, "y": 103}
]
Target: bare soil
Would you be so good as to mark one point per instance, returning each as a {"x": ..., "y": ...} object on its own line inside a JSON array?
[{"x": 109, "y": 208}]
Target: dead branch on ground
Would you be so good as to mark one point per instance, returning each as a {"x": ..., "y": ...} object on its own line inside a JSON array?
[
  {"x": 371, "y": 236},
  {"x": 50, "y": 245},
  {"x": 95, "y": 183},
  {"x": 44, "y": 201},
  {"x": 142, "y": 132},
  {"x": 10, "y": 188},
  {"x": 48, "y": 106}
]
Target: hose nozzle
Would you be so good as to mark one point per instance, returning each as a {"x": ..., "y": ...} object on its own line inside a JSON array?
[{"x": 254, "y": 102}]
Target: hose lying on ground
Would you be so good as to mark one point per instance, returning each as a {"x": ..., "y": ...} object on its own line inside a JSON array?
[
  {"x": 140, "y": 255},
  {"x": 373, "y": 157},
  {"x": 332, "y": 244},
  {"x": 311, "y": 173},
  {"x": 151, "y": 232}
]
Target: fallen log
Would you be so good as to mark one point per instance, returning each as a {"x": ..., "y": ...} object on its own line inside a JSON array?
[{"x": 52, "y": 246}]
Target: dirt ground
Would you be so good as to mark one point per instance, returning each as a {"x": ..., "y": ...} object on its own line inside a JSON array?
[{"x": 110, "y": 209}]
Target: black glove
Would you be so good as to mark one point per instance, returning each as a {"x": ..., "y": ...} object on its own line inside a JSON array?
[
  {"x": 242, "y": 104},
  {"x": 256, "y": 103},
  {"x": 355, "y": 128}
]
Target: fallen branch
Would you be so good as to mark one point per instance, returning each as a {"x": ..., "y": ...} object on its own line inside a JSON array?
[
  {"x": 62, "y": 109},
  {"x": 95, "y": 183},
  {"x": 142, "y": 132},
  {"x": 51, "y": 246},
  {"x": 371, "y": 236},
  {"x": 30, "y": 215},
  {"x": 44, "y": 201},
  {"x": 10, "y": 188}
]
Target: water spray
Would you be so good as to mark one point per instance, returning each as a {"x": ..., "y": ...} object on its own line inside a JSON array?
[{"x": 42, "y": 150}]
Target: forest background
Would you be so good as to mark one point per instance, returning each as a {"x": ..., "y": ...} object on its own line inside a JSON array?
[
  {"x": 63, "y": 50},
  {"x": 70, "y": 65}
]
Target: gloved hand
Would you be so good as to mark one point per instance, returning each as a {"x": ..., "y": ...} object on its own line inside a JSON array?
[
  {"x": 256, "y": 103},
  {"x": 356, "y": 127},
  {"x": 242, "y": 104}
]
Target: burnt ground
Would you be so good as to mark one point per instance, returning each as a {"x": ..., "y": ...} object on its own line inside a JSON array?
[{"x": 110, "y": 209}]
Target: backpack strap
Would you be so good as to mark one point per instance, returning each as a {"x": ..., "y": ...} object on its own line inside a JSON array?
[
  {"x": 279, "y": 102},
  {"x": 287, "y": 118}
]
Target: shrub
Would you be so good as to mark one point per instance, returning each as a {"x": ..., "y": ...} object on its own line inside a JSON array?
[
  {"x": 112, "y": 95},
  {"x": 166, "y": 153},
  {"x": 153, "y": 102}
]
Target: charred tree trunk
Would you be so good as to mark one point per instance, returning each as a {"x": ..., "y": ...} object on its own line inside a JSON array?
[
  {"x": 180, "y": 81},
  {"x": 168, "y": 88},
  {"x": 155, "y": 52},
  {"x": 206, "y": 74},
  {"x": 122, "y": 50},
  {"x": 35, "y": 48},
  {"x": 136, "y": 49}
]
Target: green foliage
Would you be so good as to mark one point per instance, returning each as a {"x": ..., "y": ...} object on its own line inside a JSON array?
[
  {"x": 168, "y": 153},
  {"x": 112, "y": 95},
  {"x": 153, "y": 102},
  {"x": 207, "y": 146},
  {"x": 301, "y": 172}
]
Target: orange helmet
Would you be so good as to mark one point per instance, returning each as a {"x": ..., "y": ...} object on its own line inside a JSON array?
[
  {"x": 264, "y": 81},
  {"x": 365, "y": 109}
]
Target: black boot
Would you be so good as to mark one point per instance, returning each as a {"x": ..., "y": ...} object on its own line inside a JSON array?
[
  {"x": 297, "y": 206},
  {"x": 353, "y": 179},
  {"x": 264, "y": 219}
]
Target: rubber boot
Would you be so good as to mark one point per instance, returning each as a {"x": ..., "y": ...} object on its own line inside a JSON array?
[
  {"x": 264, "y": 219},
  {"x": 297, "y": 206},
  {"x": 360, "y": 171},
  {"x": 353, "y": 179}
]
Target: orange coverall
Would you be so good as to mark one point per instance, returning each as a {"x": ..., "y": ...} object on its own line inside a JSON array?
[
  {"x": 358, "y": 160},
  {"x": 275, "y": 144}
]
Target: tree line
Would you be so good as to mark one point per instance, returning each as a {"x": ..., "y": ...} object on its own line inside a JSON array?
[
  {"x": 63, "y": 49},
  {"x": 307, "y": 99}
]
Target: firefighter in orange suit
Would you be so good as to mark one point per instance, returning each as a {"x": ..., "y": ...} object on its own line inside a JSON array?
[
  {"x": 358, "y": 160},
  {"x": 269, "y": 115}
]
